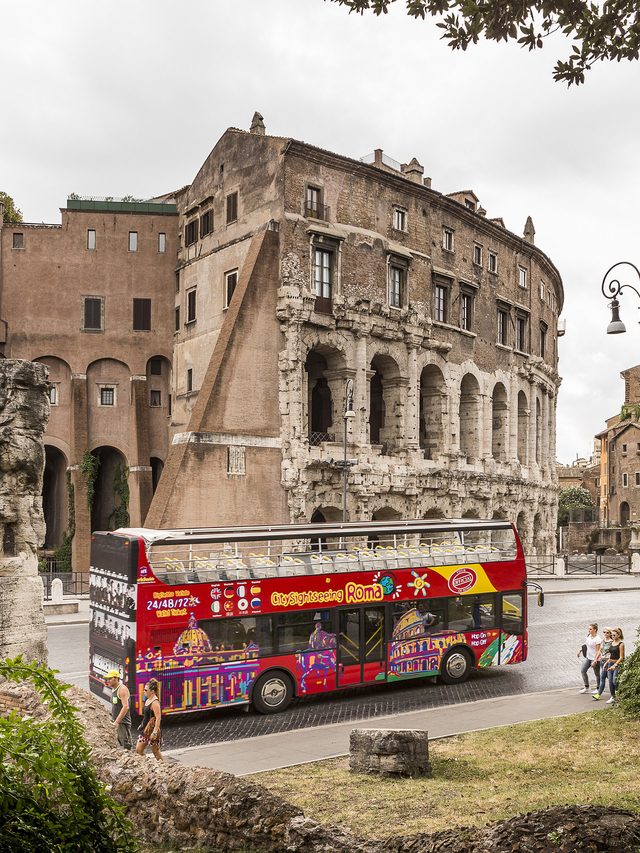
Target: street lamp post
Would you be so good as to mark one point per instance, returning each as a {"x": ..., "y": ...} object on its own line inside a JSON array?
[
  {"x": 611, "y": 289},
  {"x": 348, "y": 415}
]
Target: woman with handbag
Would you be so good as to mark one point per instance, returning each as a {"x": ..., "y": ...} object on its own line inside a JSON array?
[
  {"x": 150, "y": 732},
  {"x": 591, "y": 653},
  {"x": 615, "y": 659}
]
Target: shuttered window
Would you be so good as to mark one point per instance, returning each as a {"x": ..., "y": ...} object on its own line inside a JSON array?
[
  {"x": 141, "y": 315},
  {"x": 232, "y": 207},
  {"x": 92, "y": 312}
]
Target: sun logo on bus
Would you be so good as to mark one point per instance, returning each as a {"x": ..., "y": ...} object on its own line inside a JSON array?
[{"x": 419, "y": 583}]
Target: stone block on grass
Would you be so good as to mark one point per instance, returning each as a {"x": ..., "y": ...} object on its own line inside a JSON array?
[{"x": 390, "y": 752}]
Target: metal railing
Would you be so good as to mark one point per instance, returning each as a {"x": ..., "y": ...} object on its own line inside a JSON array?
[
  {"x": 598, "y": 564},
  {"x": 318, "y": 438},
  {"x": 539, "y": 566},
  {"x": 73, "y": 583},
  {"x": 315, "y": 210}
]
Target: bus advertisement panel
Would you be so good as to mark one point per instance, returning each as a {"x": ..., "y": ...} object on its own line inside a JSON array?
[{"x": 231, "y": 616}]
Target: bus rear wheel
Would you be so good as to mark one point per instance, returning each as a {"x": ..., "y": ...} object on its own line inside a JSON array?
[
  {"x": 455, "y": 667},
  {"x": 272, "y": 693}
]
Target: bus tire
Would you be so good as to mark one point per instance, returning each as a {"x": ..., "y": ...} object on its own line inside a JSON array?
[
  {"x": 456, "y": 666},
  {"x": 272, "y": 692}
]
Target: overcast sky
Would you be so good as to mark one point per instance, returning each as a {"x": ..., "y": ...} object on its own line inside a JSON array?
[{"x": 120, "y": 97}]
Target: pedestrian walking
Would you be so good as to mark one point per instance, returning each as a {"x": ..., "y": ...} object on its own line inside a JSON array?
[
  {"x": 150, "y": 729},
  {"x": 120, "y": 708},
  {"x": 616, "y": 658},
  {"x": 591, "y": 651},
  {"x": 605, "y": 648}
]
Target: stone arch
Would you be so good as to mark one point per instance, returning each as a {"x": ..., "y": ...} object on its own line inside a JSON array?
[
  {"x": 386, "y": 513},
  {"x": 385, "y": 400},
  {"x": 625, "y": 514},
  {"x": 500, "y": 515},
  {"x": 471, "y": 513},
  {"x": 434, "y": 512},
  {"x": 499, "y": 423},
  {"x": 538, "y": 534},
  {"x": 59, "y": 375},
  {"x": 325, "y": 374},
  {"x": 521, "y": 527},
  {"x": 326, "y": 515},
  {"x": 433, "y": 396},
  {"x": 107, "y": 502},
  {"x": 470, "y": 417},
  {"x": 523, "y": 425},
  {"x": 55, "y": 498},
  {"x": 538, "y": 431}
]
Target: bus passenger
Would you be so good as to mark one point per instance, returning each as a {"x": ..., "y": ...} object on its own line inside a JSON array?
[{"x": 150, "y": 732}]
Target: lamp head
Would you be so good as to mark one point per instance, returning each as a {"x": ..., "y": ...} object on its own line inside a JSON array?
[
  {"x": 616, "y": 326},
  {"x": 349, "y": 414}
]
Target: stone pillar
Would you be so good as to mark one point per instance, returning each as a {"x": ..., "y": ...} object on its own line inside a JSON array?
[
  {"x": 361, "y": 391},
  {"x": 533, "y": 467},
  {"x": 412, "y": 409},
  {"x": 451, "y": 420},
  {"x": 512, "y": 455},
  {"x": 24, "y": 404},
  {"x": 79, "y": 441},
  {"x": 544, "y": 438},
  {"x": 553, "y": 400},
  {"x": 140, "y": 482}
]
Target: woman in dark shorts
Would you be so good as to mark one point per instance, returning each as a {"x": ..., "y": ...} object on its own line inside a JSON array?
[{"x": 150, "y": 732}]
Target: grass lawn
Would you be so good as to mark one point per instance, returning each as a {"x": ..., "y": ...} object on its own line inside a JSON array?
[{"x": 478, "y": 778}]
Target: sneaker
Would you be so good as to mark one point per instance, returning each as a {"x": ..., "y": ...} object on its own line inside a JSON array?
[
  {"x": 610, "y": 701},
  {"x": 595, "y": 692},
  {"x": 596, "y": 696},
  {"x": 584, "y": 690}
]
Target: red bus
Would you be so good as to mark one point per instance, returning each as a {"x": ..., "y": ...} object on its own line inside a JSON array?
[{"x": 259, "y": 615}]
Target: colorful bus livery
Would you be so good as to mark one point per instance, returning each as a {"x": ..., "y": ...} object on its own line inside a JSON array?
[{"x": 236, "y": 615}]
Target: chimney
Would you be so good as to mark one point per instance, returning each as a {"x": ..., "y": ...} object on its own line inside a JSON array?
[
  {"x": 257, "y": 125},
  {"x": 529, "y": 231},
  {"x": 427, "y": 182},
  {"x": 413, "y": 170},
  {"x": 377, "y": 157}
]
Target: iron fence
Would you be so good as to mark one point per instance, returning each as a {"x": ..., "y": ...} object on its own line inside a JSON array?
[
  {"x": 538, "y": 566},
  {"x": 318, "y": 438},
  {"x": 73, "y": 583},
  {"x": 598, "y": 564}
]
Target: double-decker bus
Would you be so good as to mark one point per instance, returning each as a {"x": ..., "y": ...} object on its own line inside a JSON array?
[{"x": 259, "y": 615}]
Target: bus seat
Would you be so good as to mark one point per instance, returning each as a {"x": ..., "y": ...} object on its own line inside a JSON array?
[
  {"x": 404, "y": 559},
  {"x": 161, "y": 575},
  {"x": 207, "y": 575}
]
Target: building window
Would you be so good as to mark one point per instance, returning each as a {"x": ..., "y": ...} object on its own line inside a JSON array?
[
  {"x": 447, "y": 239},
  {"x": 18, "y": 240},
  {"x": 162, "y": 242},
  {"x": 521, "y": 332},
  {"x": 189, "y": 379},
  {"x": 141, "y": 315},
  {"x": 503, "y": 326},
  {"x": 477, "y": 255},
  {"x": 91, "y": 239},
  {"x": 313, "y": 206},
  {"x": 397, "y": 276},
  {"x": 399, "y": 219},
  {"x": 522, "y": 277},
  {"x": 542, "y": 291},
  {"x": 93, "y": 313},
  {"x": 232, "y": 207},
  {"x": 155, "y": 367},
  {"x": 54, "y": 397},
  {"x": 155, "y": 398},
  {"x": 624, "y": 448},
  {"x": 322, "y": 273},
  {"x": 230, "y": 284},
  {"x": 191, "y": 232},
  {"x": 177, "y": 318},
  {"x": 466, "y": 310},
  {"x": 625, "y": 479},
  {"x": 637, "y": 478},
  {"x": 493, "y": 262},
  {"x": 469, "y": 204},
  {"x": 543, "y": 340},
  {"x": 133, "y": 241},
  {"x": 236, "y": 459},
  {"x": 440, "y": 306},
  {"x": 107, "y": 395},
  {"x": 191, "y": 305},
  {"x": 206, "y": 223}
]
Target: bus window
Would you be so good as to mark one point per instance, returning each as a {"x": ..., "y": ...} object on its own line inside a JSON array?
[
  {"x": 469, "y": 612},
  {"x": 237, "y": 634},
  {"x": 512, "y": 622},
  {"x": 419, "y": 618},
  {"x": 304, "y": 630}
]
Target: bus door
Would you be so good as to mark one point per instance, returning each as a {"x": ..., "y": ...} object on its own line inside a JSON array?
[{"x": 361, "y": 645}]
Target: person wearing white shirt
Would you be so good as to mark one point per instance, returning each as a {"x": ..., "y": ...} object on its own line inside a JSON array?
[{"x": 591, "y": 651}]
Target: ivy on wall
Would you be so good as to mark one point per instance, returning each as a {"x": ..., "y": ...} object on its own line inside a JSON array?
[
  {"x": 120, "y": 514},
  {"x": 89, "y": 465}
]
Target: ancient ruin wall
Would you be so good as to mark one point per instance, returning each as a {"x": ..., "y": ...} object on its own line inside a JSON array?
[{"x": 24, "y": 411}]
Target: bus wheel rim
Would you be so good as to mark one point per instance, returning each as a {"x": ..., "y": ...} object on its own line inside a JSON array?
[
  {"x": 273, "y": 692},
  {"x": 456, "y": 664}
]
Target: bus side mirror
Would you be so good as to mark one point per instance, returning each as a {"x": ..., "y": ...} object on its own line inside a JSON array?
[{"x": 541, "y": 599}]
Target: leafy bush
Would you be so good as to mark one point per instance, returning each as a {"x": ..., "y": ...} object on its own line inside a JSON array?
[
  {"x": 574, "y": 497},
  {"x": 628, "y": 689},
  {"x": 50, "y": 796}
]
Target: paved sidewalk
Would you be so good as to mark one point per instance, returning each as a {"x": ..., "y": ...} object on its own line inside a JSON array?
[
  {"x": 269, "y": 752},
  {"x": 551, "y": 586}
]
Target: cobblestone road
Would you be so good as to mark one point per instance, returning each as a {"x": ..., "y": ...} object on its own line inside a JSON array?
[{"x": 555, "y": 633}]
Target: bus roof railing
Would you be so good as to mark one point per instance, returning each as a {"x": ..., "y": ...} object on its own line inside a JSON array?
[{"x": 213, "y": 535}]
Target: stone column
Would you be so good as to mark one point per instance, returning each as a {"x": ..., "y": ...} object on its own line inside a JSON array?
[
  {"x": 361, "y": 391},
  {"x": 140, "y": 481},
  {"x": 451, "y": 421},
  {"x": 512, "y": 455},
  {"x": 412, "y": 409},
  {"x": 24, "y": 405},
  {"x": 79, "y": 441},
  {"x": 533, "y": 467},
  {"x": 553, "y": 400},
  {"x": 544, "y": 437}
]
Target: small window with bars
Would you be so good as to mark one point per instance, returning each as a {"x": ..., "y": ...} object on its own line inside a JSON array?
[{"x": 107, "y": 395}]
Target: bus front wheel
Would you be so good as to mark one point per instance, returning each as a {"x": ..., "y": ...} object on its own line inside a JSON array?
[
  {"x": 455, "y": 667},
  {"x": 272, "y": 693}
]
